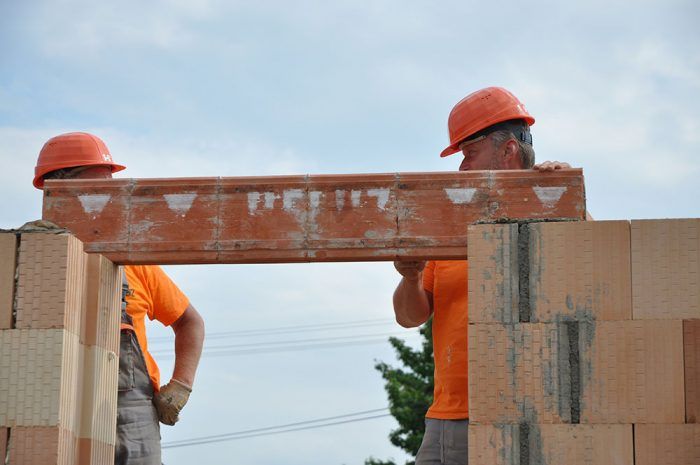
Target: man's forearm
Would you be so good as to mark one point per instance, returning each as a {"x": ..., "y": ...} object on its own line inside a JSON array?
[
  {"x": 411, "y": 303},
  {"x": 189, "y": 338}
]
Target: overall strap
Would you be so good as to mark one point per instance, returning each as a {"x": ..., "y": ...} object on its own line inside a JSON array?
[{"x": 127, "y": 322}]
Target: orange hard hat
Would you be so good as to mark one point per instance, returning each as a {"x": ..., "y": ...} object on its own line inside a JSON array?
[
  {"x": 482, "y": 109},
  {"x": 71, "y": 150}
]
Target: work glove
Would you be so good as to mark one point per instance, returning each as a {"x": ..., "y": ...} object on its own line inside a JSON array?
[{"x": 170, "y": 400}]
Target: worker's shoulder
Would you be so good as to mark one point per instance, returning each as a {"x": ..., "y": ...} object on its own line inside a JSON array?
[{"x": 144, "y": 272}]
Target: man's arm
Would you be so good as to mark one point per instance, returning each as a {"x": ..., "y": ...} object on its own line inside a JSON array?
[
  {"x": 189, "y": 338},
  {"x": 413, "y": 305}
]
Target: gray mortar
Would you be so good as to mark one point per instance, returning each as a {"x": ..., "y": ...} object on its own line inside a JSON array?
[
  {"x": 524, "y": 309},
  {"x": 563, "y": 374},
  {"x": 512, "y": 273},
  {"x": 569, "y": 302},
  {"x": 531, "y": 450},
  {"x": 585, "y": 345},
  {"x": 572, "y": 329},
  {"x": 13, "y": 323},
  {"x": 512, "y": 354}
]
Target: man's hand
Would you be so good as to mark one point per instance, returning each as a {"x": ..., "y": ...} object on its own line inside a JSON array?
[
  {"x": 551, "y": 166},
  {"x": 170, "y": 400},
  {"x": 410, "y": 270}
]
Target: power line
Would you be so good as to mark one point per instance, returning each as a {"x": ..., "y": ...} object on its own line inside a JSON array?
[
  {"x": 269, "y": 430},
  {"x": 288, "y": 348},
  {"x": 291, "y": 329},
  {"x": 291, "y": 342}
]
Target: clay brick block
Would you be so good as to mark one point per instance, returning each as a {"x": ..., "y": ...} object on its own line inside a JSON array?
[
  {"x": 667, "y": 444},
  {"x": 493, "y": 273},
  {"x": 3, "y": 442},
  {"x": 666, "y": 269},
  {"x": 40, "y": 386},
  {"x": 632, "y": 372},
  {"x": 101, "y": 314},
  {"x": 33, "y": 445},
  {"x": 51, "y": 283},
  {"x": 551, "y": 444},
  {"x": 519, "y": 372},
  {"x": 8, "y": 254},
  {"x": 691, "y": 343},
  {"x": 579, "y": 271},
  {"x": 93, "y": 452},
  {"x": 98, "y": 401}
]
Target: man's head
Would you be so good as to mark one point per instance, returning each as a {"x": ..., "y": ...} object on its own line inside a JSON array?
[
  {"x": 491, "y": 127},
  {"x": 75, "y": 155}
]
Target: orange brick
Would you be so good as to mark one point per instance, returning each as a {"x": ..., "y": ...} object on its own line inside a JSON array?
[
  {"x": 51, "y": 282},
  {"x": 3, "y": 442},
  {"x": 42, "y": 445},
  {"x": 691, "y": 342},
  {"x": 493, "y": 273},
  {"x": 667, "y": 444},
  {"x": 31, "y": 365},
  {"x": 666, "y": 269},
  {"x": 519, "y": 372},
  {"x": 97, "y": 405},
  {"x": 579, "y": 271},
  {"x": 539, "y": 444},
  {"x": 93, "y": 452},
  {"x": 8, "y": 254},
  {"x": 101, "y": 314},
  {"x": 632, "y": 372}
]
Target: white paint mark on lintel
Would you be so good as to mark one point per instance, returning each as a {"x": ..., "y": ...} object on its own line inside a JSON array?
[
  {"x": 460, "y": 195},
  {"x": 289, "y": 196},
  {"x": 382, "y": 196},
  {"x": 549, "y": 196},
  {"x": 94, "y": 203},
  {"x": 355, "y": 198},
  {"x": 270, "y": 198},
  {"x": 253, "y": 199},
  {"x": 339, "y": 199},
  {"x": 180, "y": 203}
]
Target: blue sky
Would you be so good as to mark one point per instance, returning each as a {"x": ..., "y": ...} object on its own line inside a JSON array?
[{"x": 228, "y": 88}]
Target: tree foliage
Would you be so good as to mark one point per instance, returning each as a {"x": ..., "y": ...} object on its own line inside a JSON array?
[{"x": 410, "y": 391}]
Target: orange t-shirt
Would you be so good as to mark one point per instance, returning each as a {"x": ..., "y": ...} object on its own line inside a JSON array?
[
  {"x": 447, "y": 281},
  {"x": 156, "y": 296}
]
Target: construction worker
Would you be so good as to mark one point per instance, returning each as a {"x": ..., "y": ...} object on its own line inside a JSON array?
[
  {"x": 147, "y": 291},
  {"x": 491, "y": 128}
]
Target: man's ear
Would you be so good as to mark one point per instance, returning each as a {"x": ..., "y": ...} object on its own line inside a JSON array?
[{"x": 511, "y": 155}]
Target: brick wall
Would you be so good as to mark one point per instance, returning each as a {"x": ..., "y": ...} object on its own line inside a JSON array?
[
  {"x": 584, "y": 343},
  {"x": 59, "y": 320}
]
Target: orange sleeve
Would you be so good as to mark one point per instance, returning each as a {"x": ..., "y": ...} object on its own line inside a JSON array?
[
  {"x": 168, "y": 301},
  {"x": 429, "y": 276}
]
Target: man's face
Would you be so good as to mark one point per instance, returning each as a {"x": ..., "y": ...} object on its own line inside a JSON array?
[
  {"x": 482, "y": 154},
  {"x": 479, "y": 154}
]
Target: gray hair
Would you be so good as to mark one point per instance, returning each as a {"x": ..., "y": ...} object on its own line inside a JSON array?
[{"x": 527, "y": 152}]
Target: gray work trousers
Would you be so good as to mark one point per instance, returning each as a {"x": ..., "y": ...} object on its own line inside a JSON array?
[
  {"x": 444, "y": 443},
  {"x": 138, "y": 429}
]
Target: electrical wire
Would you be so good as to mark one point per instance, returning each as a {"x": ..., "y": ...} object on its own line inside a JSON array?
[
  {"x": 286, "y": 348},
  {"x": 292, "y": 341},
  {"x": 279, "y": 429},
  {"x": 290, "y": 329}
]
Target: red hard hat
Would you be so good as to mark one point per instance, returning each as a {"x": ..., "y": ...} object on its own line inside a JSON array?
[
  {"x": 71, "y": 150},
  {"x": 480, "y": 110}
]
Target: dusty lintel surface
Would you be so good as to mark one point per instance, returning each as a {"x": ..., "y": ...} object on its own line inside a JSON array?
[{"x": 357, "y": 217}]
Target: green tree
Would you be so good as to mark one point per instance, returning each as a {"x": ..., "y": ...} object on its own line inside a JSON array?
[{"x": 410, "y": 391}]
